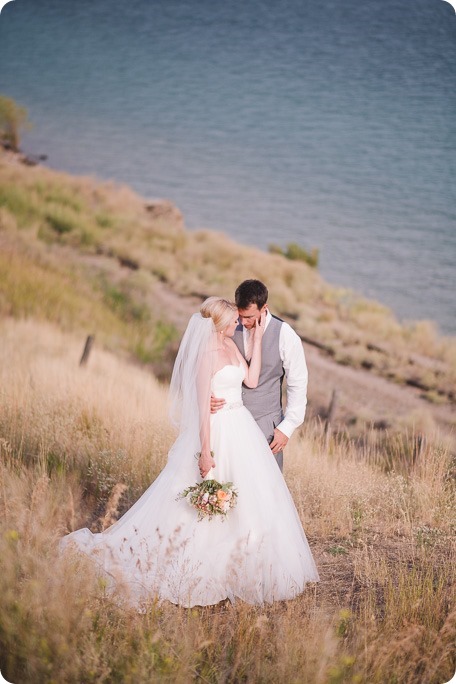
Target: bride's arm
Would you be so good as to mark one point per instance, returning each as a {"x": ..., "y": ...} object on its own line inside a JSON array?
[
  {"x": 252, "y": 370},
  {"x": 205, "y": 462}
]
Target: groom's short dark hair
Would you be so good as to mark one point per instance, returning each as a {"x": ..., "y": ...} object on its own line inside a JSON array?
[{"x": 251, "y": 292}]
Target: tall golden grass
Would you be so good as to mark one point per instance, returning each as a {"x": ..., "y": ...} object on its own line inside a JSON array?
[{"x": 79, "y": 445}]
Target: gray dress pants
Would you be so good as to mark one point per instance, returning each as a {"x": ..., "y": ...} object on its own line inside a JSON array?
[{"x": 267, "y": 424}]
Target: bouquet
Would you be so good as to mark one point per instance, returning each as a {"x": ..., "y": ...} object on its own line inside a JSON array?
[{"x": 210, "y": 498}]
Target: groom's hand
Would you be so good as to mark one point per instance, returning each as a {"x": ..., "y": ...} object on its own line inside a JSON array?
[
  {"x": 279, "y": 441},
  {"x": 216, "y": 404}
]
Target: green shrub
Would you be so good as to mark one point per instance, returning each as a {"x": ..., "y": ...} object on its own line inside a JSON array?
[
  {"x": 19, "y": 202},
  {"x": 296, "y": 253},
  {"x": 105, "y": 220},
  {"x": 124, "y": 305},
  {"x": 57, "y": 194},
  {"x": 12, "y": 118},
  {"x": 61, "y": 219}
]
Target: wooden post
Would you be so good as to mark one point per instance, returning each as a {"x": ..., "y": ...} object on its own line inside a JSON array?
[{"x": 87, "y": 348}]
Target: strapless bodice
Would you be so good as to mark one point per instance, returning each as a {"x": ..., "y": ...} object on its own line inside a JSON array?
[{"x": 227, "y": 384}]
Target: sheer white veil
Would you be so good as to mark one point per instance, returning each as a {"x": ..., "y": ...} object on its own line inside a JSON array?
[{"x": 190, "y": 387}]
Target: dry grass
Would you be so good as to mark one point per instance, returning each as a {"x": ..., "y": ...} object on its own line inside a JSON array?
[
  {"x": 104, "y": 423},
  {"x": 48, "y": 283},
  {"x": 71, "y": 439}
]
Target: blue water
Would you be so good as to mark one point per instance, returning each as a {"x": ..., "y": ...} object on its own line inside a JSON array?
[{"x": 331, "y": 123}]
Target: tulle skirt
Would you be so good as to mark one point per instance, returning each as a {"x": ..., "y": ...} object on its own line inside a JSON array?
[{"x": 160, "y": 550}]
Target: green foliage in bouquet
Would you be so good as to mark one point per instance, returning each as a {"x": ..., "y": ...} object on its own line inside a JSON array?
[{"x": 210, "y": 498}]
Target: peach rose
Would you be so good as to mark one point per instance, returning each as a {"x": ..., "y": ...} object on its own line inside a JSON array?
[{"x": 221, "y": 495}]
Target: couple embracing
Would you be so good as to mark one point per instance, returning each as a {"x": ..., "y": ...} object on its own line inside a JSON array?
[
  {"x": 226, "y": 402},
  {"x": 281, "y": 355}
]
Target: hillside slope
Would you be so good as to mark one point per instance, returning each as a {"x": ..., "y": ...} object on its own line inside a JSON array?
[
  {"x": 95, "y": 257},
  {"x": 79, "y": 445}
]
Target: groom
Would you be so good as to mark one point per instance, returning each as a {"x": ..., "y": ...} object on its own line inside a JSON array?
[{"x": 282, "y": 355}]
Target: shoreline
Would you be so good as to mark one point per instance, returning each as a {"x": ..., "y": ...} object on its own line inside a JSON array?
[
  {"x": 39, "y": 159},
  {"x": 386, "y": 374}
]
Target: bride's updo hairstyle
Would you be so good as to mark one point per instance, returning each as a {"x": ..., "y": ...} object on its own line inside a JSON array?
[{"x": 220, "y": 310}]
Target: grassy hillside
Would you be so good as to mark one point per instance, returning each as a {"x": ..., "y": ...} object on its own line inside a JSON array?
[
  {"x": 77, "y": 448},
  {"x": 78, "y": 445},
  {"x": 95, "y": 257}
]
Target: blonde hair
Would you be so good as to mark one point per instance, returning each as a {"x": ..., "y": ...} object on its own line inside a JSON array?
[{"x": 220, "y": 310}]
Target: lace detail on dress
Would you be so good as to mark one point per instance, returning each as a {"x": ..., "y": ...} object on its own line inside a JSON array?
[{"x": 232, "y": 405}]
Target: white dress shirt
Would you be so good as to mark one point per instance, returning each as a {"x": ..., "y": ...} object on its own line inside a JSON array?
[{"x": 294, "y": 362}]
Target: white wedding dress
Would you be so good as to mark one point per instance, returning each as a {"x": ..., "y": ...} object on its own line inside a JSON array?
[{"x": 258, "y": 553}]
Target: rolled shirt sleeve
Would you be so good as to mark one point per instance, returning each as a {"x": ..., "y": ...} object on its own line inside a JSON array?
[{"x": 295, "y": 366}]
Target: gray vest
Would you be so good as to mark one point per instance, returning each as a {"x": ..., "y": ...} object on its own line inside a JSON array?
[{"x": 266, "y": 398}]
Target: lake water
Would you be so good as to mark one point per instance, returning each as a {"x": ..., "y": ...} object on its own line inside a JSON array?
[{"x": 324, "y": 122}]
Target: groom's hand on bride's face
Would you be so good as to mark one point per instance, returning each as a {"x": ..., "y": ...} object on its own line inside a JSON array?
[
  {"x": 279, "y": 441},
  {"x": 216, "y": 404}
]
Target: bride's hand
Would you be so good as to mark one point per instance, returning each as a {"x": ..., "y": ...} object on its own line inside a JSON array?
[
  {"x": 205, "y": 463},
  {"x": 258, "y": 330}
]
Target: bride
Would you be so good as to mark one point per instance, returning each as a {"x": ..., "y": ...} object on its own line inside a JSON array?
[{"x": 159, "y": 549}]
